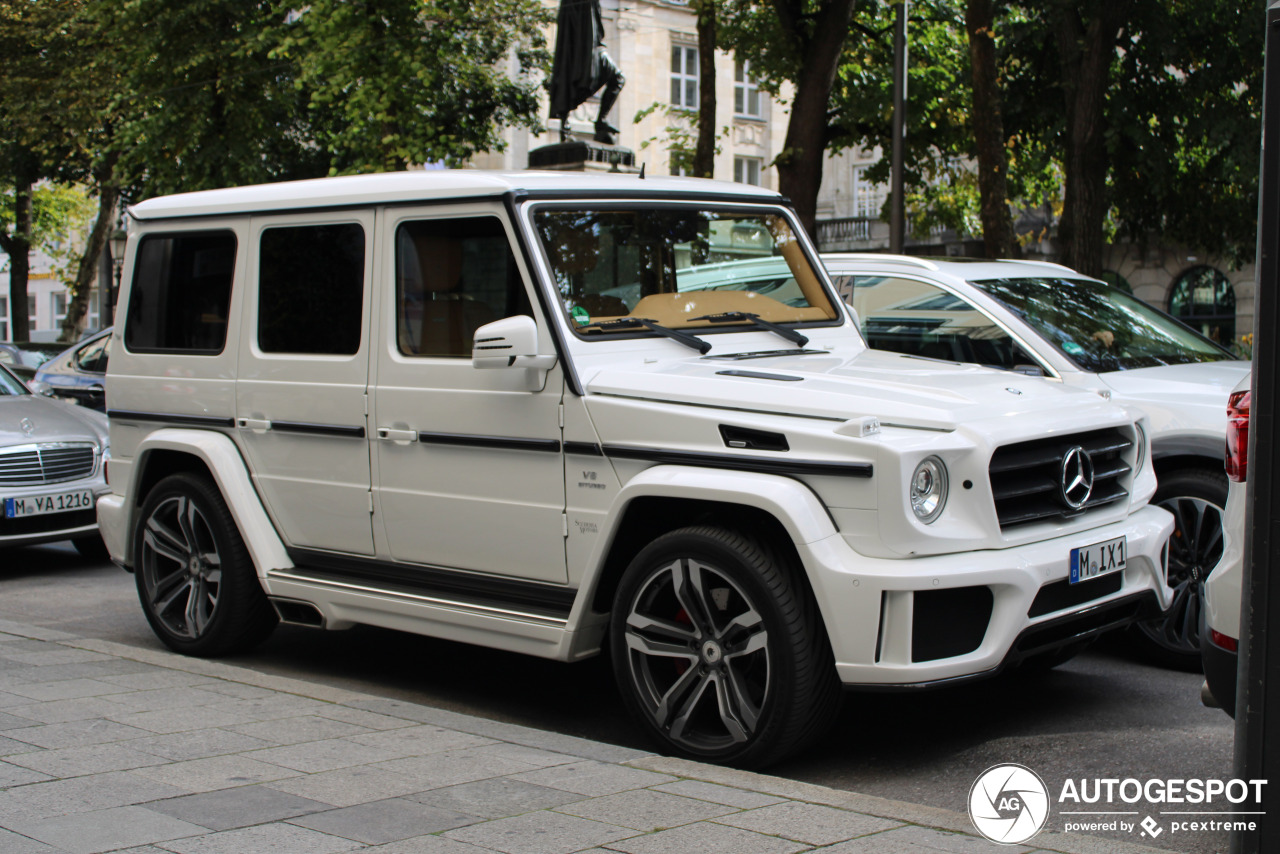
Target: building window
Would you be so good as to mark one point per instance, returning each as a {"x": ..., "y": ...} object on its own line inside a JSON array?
[
  {"x": 746, "y": 170},
  {"x": 684, "y": 76},
  {"x": 868, "y": 198},
  {"x": 746, "y": 93},
  {"x": 1203, "y": 298},
  {"x": 32, "y": 313},
  {"x": 59, "y": 309},
  {"x": 4, "y": 318}
]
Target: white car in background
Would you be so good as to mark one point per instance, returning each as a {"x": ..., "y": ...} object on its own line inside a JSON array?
[
  {"x": 1224, "y": 589},
  {"x": 1048, "y": 320}
]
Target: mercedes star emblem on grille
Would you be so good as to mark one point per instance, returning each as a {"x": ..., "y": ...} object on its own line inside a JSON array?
[{"x": 1077, "y": 477}]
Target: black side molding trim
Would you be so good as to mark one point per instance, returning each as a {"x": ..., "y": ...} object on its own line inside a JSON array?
[
  {"x": 172, "y": 418},
  {"x": 317, "y": 429},
  {"x": 740, "y": 463},
  {"x": 583, "y": 449},
  {"x": 468, "y": 587},
  {"x": 512, "y": 443}
]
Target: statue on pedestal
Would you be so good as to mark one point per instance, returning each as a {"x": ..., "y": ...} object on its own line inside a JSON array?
[{"x": 582, "y": 67}]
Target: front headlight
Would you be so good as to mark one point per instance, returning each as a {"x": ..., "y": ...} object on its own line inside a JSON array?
[{"x": 929, "y": 489}]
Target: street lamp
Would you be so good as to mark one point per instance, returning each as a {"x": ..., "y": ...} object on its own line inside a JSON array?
[{"x": 119, "y": 239}]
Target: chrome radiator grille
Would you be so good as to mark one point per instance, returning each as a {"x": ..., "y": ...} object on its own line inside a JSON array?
[
  {"x": 32, "y": 465},
  {"x": 1044, "y": 479}
]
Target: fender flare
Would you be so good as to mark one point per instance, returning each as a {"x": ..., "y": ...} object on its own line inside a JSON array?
[
  {"x": 222, "y": 457},
  {"x": 796, "y": 507}
]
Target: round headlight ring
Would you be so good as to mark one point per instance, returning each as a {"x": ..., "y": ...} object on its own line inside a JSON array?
[
  {"x": 1142, "y": 446},
  {"x": 929, "y": 489}
]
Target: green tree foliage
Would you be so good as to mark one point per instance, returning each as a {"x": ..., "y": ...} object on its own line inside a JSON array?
[{"x": 802, "y": 42}]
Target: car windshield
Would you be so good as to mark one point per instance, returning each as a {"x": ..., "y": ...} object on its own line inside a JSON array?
[
  {"x": 1099, "y": 327},
  {"x": 10, "y": 385},
  {"x": 682, "y": 268}
]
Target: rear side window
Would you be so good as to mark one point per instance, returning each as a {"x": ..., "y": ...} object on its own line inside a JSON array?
[
  {"x": 181, "y": 293},
  {"x": 311, "y": 289}
]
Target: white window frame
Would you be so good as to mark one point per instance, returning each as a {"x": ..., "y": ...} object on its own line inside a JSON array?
[
  {"x": 680, "y": 78},
  {"x": 748, "y": 170},
  {"x": 746, "y": 90},
  {"x": 868, "y": 198},
  {"x": 4, "y": 318}
]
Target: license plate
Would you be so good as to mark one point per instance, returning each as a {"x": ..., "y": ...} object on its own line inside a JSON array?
[
  {"x": 1098, "y": 559},
  {"x": 56, "y": 502}
]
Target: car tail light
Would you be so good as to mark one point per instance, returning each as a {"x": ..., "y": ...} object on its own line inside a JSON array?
[
  {"x": 1224, "y": 641},
  {"x": 1238, "y": 436}
]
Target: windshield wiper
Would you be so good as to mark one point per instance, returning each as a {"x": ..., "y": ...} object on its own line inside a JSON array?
[
  {"x": 675, "y": 335},
  {"x": 737, "y": 316}
]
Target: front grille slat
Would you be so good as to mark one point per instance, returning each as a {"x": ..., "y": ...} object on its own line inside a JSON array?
[
  {"x": 1026, "y": 477},
  {"x": 33, "y": 465}
]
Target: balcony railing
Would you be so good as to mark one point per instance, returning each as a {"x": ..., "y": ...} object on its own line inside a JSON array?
[{"x": 836, "y": 231}]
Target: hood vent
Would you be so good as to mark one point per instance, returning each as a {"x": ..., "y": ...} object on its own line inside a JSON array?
[{"x": 753, "y": 440}]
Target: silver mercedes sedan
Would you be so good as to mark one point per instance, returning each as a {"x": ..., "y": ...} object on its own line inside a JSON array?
[{"x": 52, "y": 469}]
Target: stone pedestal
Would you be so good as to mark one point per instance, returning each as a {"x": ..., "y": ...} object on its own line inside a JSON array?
[{"x": 583, "y": 156}]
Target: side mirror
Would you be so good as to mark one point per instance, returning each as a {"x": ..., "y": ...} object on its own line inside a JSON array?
[
  {"x": 511, "y": 343},
  {"x": 41, "y": 388}
]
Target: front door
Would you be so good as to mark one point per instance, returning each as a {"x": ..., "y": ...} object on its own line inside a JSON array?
[
  {"x": 469, "y": 472},
  {"x": 303, "y": 376}
]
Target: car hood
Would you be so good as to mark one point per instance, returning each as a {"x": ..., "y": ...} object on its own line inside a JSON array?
[
  {"x": 1173, "y": 383},
  {"x": 899, "y": 390},
  {"x": 48, "y": 420}
]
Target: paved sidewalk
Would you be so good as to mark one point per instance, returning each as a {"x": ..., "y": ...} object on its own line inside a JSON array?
[{"x": 104, "y": 747}]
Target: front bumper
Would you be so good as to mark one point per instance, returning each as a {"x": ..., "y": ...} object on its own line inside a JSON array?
[
  {"x": 915, "y": 622},
  {"x": 50, "y": 527}
]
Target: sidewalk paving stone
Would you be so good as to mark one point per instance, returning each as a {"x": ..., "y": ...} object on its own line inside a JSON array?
[
  {"x": 107, "y": 830},
  {"x": 541, "y": 833},
  {"x": 138, "y": 751},
  {"x": 809, "y": 823},
  {"x": 227, "y": 809},
  {"x": 390, "y": 820},
  {"x": 496, "y": 798}
]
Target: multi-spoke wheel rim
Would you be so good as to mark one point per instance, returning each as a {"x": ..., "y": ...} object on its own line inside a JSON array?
[
  {"x": 1194, "y": 549},
  {"x": 699, "y": 656},
  {"x": 181, "y": 567}
]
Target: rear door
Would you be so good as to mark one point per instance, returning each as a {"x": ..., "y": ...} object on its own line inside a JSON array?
[{"x": 303, "y": 376}]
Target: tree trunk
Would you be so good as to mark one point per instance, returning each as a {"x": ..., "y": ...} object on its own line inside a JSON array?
[
  {"x": 988, "y": 132},
  {"x": 18, "y": 247},
  {"x": 1086, "y": 50},
  {"x": 704, "y": 154},
  {"x": 87, "y": 270},
  {"x": 800, "y": 163}
]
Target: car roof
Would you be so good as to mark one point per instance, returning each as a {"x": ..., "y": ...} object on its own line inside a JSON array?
[
  {"x": 432, "y": 185},
  {"x": 968, "y": 269}
]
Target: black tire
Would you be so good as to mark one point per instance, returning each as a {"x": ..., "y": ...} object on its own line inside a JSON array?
[
  {"x": 195, "y": 579},
  {"x": 1196, "y": 498},
  {"x": 719, "y": 650},
  {"x": 91, "y": 547}
]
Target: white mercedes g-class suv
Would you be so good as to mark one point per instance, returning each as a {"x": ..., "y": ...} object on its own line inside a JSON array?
[{"x": 524, "y": 410}]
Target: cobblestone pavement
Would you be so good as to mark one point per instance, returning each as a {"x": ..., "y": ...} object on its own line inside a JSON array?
[{"x": 104, "y": 747}]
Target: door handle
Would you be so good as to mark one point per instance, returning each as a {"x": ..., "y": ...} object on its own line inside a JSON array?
[
  {"x": 257, "y": 425},
  {"x": 388, "y": 434}
]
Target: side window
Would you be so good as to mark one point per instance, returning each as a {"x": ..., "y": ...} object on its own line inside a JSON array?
[
  {"x": 311, "y": 289},
  {"x": 93, "y": 357},
  {"x": 920, "y": 319},
  {"x": 181, "y": 293},
  {"x": 452, "y": 277}
]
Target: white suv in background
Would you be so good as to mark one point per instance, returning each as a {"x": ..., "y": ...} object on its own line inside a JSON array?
[
  {"x": 493, "y": 408},
  {"x": 1048, "y": 320}
]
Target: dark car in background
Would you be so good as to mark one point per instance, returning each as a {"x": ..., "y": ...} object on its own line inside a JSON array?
[{"x": 80, "y": 372}]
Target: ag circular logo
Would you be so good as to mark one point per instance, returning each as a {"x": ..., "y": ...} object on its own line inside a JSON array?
[{"x": 1009, "y": 804}]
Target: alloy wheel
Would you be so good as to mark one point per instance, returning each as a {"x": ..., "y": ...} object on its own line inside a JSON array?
[
  {"x": 1194, "y": 549},
  {"x": 699, "y": 656},
  {"x": 181, "y": 567}
]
